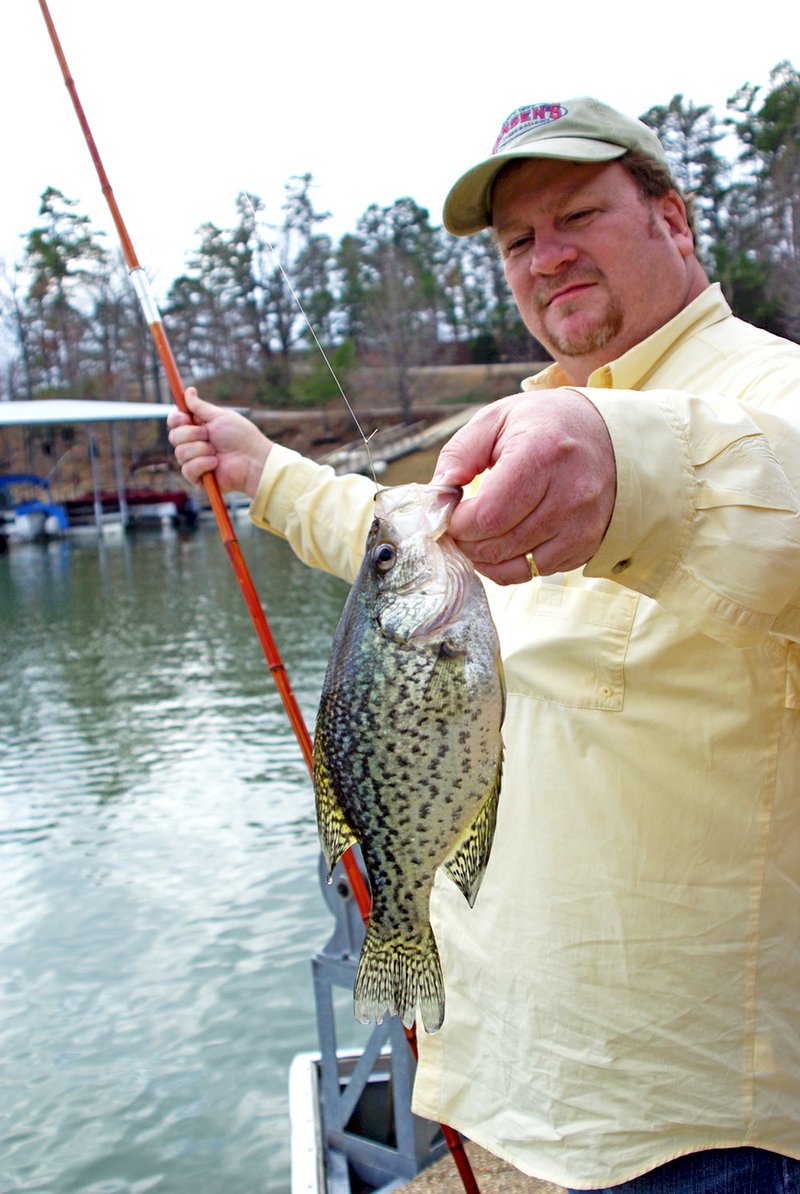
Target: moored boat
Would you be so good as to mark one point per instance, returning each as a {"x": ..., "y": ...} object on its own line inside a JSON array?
[
  {"x": 136, "y": 506},
  {"x": 27, "y": 509}
]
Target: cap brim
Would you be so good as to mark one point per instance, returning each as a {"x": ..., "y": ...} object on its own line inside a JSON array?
[{"x": 467, "y": 208}]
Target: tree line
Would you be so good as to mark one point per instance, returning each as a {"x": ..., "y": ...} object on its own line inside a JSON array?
[{"x": 397, "y": 292}]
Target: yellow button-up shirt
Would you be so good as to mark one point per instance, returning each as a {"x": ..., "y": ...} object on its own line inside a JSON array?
[{"x": 627, "y": 987}]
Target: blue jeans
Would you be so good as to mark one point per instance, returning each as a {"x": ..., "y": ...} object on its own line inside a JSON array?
[{"x": 716, "y": 1171}]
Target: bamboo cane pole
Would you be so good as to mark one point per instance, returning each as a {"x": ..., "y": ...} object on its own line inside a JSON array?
[{"x": 227, "y": 534}]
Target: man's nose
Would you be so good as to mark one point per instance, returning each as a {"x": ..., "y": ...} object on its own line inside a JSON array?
[{"x": 551, "y": 252}]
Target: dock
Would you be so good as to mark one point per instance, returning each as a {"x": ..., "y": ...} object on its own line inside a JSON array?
[
  {"x": 492, "y": 1175},
  {"x": 393, "y": 443}
]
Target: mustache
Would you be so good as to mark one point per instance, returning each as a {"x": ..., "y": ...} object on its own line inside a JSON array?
[{"x": 548, "y": 287}]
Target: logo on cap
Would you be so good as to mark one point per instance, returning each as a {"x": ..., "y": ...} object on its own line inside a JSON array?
[{"x": 523, "y": 120}]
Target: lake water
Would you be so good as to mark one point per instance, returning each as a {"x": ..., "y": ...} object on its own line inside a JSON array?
[{"x": 159, "y": 898}]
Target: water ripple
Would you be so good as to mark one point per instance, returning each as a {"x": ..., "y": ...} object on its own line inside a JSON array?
[{"x": 157, "y": 867}]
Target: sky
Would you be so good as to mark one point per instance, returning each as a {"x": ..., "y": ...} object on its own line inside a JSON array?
[{"x": 192, "y": 102}]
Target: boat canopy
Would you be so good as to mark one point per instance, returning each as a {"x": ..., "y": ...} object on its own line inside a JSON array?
[{"x": 78, "y": 410}]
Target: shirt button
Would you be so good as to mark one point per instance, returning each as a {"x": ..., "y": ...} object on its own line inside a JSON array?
[{"x": 621, "y": 566}]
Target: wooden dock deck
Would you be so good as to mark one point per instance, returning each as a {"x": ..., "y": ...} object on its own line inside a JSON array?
[{"x": 492, "y": 1175}]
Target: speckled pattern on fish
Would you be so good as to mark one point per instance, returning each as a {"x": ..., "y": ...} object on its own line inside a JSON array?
[{"x": 408, "y": 750}]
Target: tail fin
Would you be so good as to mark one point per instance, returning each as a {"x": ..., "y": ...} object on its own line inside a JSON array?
[{"x": 397, "y": 977}]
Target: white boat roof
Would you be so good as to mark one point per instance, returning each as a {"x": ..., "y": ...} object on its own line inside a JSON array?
[{"x": 79, "y": 410}]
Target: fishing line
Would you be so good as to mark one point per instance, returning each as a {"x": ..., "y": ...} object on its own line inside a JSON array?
[{"x": 366, "y": 438}]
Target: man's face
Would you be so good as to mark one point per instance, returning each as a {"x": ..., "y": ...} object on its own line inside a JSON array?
[{"x": 593, "y": 266}]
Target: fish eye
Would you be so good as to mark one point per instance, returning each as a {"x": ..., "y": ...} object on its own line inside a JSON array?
[{"x": 384, "y": 556}]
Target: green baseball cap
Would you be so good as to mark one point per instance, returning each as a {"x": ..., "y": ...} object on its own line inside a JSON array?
[{"x": 575, "y": 130}]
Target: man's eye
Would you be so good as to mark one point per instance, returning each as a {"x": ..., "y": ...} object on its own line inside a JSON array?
[
  {"x": 519, "y": 242},
  {"x": 580, "y": 215}
]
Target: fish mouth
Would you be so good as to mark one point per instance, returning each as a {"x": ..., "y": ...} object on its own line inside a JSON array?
[
  {"x": 441, "y": 502},
  {"x": 415, "y": 508},
  {"x": 450, "y": 492}
]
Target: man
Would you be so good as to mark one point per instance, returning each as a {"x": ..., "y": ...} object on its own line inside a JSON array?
[{"x": 623, "y": 998}]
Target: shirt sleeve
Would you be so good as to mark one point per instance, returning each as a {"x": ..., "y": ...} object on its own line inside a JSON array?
[
  {"x": 707, "y": 517},
  {"x": 324, "y": 517}
]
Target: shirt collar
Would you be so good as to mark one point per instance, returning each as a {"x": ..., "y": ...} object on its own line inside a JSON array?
[{"x": 629, "y": 371}]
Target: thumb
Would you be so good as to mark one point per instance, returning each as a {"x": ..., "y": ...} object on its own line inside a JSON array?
[
  {"x": 468, "y": 452},
  {"x": 200, "y": 410}
]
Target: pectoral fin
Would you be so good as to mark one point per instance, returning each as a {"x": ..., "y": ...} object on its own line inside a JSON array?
[
  {"x": 445, "y": 678},
  {"x": 467, "y": 863}
]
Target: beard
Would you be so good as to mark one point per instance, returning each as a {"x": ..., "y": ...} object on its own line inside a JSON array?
[{"x": 588, "y": 335}]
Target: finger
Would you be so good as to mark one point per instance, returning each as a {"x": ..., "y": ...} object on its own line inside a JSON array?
[
  {"x": 194, "y": 473},
  {"x": 196, "y": 468},
  {"x": 487, "y": 548},
  {"x": 193, "y": 449},
  {"x": 187, "y": 432},
  {"x": 510, "y": 572},
  {"x": 510, "y": 496},
  {"x": 177, "y": 418},
  {"x": 544, "y": 524},
  {"x": 562, "y": 553}
]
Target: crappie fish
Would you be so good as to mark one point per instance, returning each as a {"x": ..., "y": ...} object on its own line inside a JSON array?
[{"x": 407, "y": 749}]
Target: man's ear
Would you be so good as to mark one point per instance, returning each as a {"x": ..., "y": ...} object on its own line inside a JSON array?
[{"x": 673, "y": 212}]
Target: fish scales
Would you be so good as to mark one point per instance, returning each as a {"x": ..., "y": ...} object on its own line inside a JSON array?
[{"x": 407, "y": 748}]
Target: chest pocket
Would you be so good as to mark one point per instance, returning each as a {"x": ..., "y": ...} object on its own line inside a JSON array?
[{"x": 565, "y": 638}]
